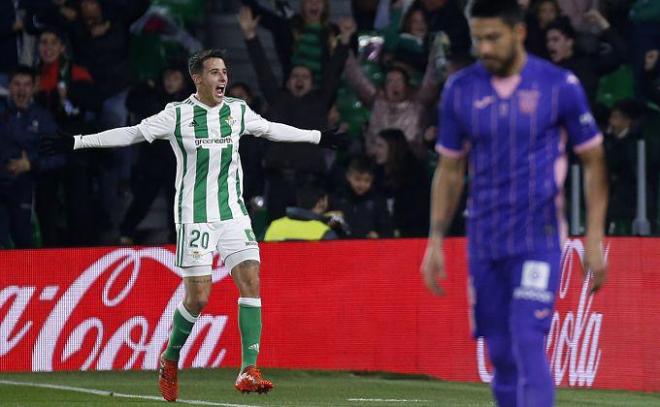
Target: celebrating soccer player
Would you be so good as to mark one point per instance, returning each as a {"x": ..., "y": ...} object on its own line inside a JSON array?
[
  {"x": 510, "y": 117},
  {"x": 204, "y": 131}
]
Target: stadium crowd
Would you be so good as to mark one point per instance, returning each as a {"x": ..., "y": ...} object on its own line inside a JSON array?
[{"x": 83, "y": 66}]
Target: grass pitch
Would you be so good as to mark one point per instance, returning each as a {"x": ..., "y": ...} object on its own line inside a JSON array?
[{"x": 214, "y": 387}]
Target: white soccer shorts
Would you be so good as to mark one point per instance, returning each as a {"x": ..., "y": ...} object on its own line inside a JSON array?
[{"x": 233, "y": 239}]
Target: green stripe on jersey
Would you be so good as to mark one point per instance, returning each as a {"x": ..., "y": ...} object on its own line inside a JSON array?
[
  {"x": 225, "y": 160},
  {"x": 242, "y": 120},
  {"x": 179, "y": 142},
  {"x": 202, "y": 170}
]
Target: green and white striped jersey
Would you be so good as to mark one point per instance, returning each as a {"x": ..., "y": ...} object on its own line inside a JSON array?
[{"x": 205, "y": 141}]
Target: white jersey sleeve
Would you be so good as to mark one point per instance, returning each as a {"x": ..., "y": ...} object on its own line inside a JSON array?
[
  {"x": 119, "y": 137},
  {"x": 260, "y": 127},
  {"x": 159, "y": 126}
]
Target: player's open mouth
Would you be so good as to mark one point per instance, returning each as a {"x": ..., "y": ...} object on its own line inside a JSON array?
[{"x": 220, "y": 90}]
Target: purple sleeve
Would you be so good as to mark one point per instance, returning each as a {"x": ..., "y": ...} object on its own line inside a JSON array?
[
  {"x": 451, "y": 140},
  {"x": 576, "y": 117}
]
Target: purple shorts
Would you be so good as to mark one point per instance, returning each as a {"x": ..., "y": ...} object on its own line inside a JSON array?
[{"x": 513, "y": 293}]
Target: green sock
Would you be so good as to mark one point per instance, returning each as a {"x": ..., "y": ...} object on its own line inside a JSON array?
[
  {"x": 249, "y": 324},
  {"x": 181, "y": 327}
]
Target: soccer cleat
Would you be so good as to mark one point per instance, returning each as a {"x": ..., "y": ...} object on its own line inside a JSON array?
[
  {"x": 167, "y": 379},
  {"x": 250, "y": 380}
]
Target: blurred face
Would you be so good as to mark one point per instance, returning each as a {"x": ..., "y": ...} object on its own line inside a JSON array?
[
  {"x": 312, "y": 10},
  {"x": 360, "y": 182},
  {"x": 547, "y": 13},
  {"x": 396, "y": 89},
  {"x": 21, "y": 89},
  {"x": 619, "y": 122},
  {"x": 496, "y": 44},
  {"x": 212, "y": 82},
  {"x": 91, "y": 13},
  {"x": 173, "y": 82},
  {"x": 300, "y": 81},
  {"x": 239, "y": 92},
  {"x": 418, "y": 26},
  {"x": 381, "y": 150},
  {"x": 559, "y": 46},
  {"x": 50, "y": 48}
]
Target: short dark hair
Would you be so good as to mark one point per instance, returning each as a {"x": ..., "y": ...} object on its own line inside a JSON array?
[
  {"x": 361, "y": 164},
  {"x": 50, "y": 29},
  {"x": 196, "y": 60},
  {"x": 22, "y": 70},
  {"x": 631, "y": 108},
  {"x": 508, "y": 10},
  {"x": 309, "y": 195},
  {"x": 563, "y": 25}
]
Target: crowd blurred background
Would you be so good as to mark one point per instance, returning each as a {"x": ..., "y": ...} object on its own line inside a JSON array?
[{"x": 374, "y": 68}]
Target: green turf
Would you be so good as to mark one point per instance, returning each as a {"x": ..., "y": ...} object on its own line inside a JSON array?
[{"x": 293, "y": 388}]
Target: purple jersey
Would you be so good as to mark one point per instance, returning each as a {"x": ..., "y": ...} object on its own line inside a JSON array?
[{"x": 514, "y": 131}]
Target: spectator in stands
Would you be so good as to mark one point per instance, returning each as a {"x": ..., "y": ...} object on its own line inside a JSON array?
[
  {"x": 651, "y": 78},
  {"x": 407, "y": 38},
  {"x": 300, "y": 105},
  {"x": 100, "y": 40},
  {"x": 305, "y": 221},
  {"x": 621, "y": 138},
  {"x": 12, "y": 28},
  {"x": 358, "y": 202},
  {"x": 645, "y": 33},
  {"x": 448, "y": 17},
  {"x": 66, "y": 90},
  {"x": 23, "y": 124},
  {"x": 561, "y": 37},
  {"x": 397, "y": 104},
  {"x": 155, "y": 169},
  {"x": 537, "y": 19},
  {"x": 405, "y": 181},
  {"x": 305, "y": 39}
]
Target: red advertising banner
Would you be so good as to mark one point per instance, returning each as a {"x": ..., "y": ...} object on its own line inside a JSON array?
[{"x": 349, "y": 305}]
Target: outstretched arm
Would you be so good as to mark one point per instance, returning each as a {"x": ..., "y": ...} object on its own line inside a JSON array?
[
  {"x": 158, "y": 126},
  {"x": 119, "y": 137},
  {"x": 260, "y": 127}
]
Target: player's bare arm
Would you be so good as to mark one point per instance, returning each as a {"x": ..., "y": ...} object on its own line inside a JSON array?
[
  {"x": 446, "y": 192},
  {"x": 596, "y": 192}
]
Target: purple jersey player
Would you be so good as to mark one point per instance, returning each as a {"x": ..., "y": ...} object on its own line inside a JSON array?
[{"x": 511, "y": 117}]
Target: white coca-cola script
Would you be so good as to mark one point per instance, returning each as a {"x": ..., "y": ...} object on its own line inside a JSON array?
[{"x": 136, "y": 337}]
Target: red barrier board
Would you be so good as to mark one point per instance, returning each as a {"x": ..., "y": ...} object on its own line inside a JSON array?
[{"x": 349, "y": 305}]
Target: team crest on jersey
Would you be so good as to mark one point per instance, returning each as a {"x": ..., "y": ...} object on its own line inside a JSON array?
[
  {"x": 528, "y": 100},
  {"x": 230, "y": 121}
]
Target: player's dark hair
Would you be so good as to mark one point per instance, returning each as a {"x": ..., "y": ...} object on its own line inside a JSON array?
[
  {"x": 361, "y": 164},
  {"x": 196, "y": 60},
  {"x": 508, "y": 10},
  {"x": 309, "y": 195},
  {"x": 563, "y": 25},
  {"x": 22, "y": 70}
]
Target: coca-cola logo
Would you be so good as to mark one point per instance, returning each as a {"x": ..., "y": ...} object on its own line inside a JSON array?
[
  {"x": 573, "y": 340},
  {"x": 98, "y": 339}
]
